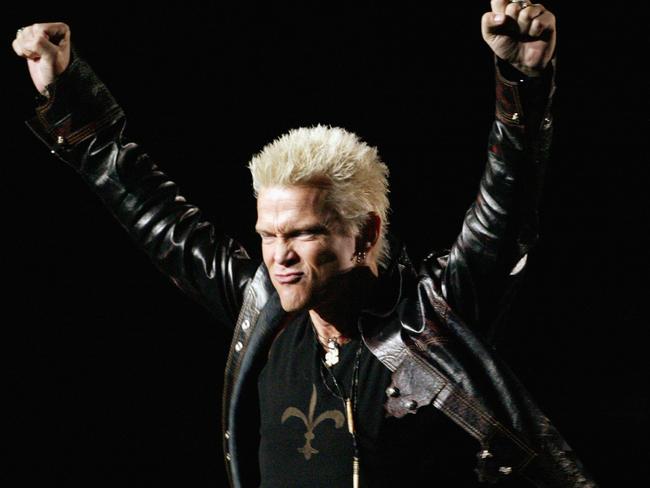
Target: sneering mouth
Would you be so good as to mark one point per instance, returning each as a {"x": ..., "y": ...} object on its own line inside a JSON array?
[{"x": 288, "y": 278}]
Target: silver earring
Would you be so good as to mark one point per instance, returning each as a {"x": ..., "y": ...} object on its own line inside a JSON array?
[{"x": 360, "y": 256}]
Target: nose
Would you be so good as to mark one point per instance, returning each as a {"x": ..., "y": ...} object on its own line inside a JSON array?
[{"x": 283, "y": 253}]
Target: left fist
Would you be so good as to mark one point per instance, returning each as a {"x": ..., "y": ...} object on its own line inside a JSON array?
[{"x": 521, "y": 33}]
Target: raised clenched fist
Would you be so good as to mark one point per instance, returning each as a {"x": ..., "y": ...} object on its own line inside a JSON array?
[
  {"x": 521, "y": 33},
  {"x": 47, "y": 49}
]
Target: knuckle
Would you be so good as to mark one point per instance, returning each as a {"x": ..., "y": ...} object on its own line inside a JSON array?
[
  {"x": 535, "y": 27},
  {"x": 512, "y": 9},
  {"x": 545, "y": 19},
  {"x": 531, "y": 12}
]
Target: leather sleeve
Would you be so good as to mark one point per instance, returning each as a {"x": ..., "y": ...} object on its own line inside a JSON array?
[
  {"x": 83, "y": 125},
  {"x": 478, "y": 275}
]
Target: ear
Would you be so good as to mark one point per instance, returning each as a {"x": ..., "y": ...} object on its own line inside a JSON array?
[{"x": 369, "y": 233}]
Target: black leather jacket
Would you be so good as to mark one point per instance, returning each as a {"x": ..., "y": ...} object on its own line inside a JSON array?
[{"x": 432, "y": 326}]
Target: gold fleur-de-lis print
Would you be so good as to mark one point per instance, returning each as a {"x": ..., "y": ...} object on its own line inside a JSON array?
[{"x": 310, "y": 424}]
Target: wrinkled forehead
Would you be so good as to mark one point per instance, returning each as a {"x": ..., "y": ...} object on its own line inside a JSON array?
[{"x": 290, "y": 205}]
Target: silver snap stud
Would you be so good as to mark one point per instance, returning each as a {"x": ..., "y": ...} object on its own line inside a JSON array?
[
  {"x": 485, "y": 454},
  {"x": 392, "y": 391},
  {"x": 411, "y": 404}
]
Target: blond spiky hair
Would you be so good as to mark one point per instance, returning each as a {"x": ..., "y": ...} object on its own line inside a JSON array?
[{"x": 357, "y": 180}]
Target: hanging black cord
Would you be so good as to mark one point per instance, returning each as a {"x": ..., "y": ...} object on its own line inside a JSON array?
[{"x": 354, "y": 399}]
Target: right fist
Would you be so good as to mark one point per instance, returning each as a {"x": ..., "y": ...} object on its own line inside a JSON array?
[{"x": 47, "y": 50}]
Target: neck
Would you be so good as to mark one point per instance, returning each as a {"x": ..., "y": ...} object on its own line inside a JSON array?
[
  {"x": 336, "y": 314},
  {"x": 341, "y": 330}
]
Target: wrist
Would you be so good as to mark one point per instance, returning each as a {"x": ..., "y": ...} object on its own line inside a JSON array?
[
  {"x": 512, "y": 72},
  {"x": 523, "y": 100}
]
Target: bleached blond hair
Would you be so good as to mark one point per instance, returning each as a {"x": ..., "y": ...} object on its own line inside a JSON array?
[{"x": 355, "y": 177}]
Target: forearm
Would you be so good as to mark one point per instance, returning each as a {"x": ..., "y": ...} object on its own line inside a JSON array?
[
  {"x": 83, "y": 125},
  {"x": 501, "y": 226}
]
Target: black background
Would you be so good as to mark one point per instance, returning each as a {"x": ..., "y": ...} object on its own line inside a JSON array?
[{"x": 113, "y": 378}]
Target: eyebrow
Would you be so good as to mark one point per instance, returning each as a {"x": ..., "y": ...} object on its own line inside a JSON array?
[{"x": 310, "y": 228}]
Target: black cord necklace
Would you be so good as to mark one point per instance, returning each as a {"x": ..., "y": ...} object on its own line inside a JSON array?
[{"x": 350, "y": 403}]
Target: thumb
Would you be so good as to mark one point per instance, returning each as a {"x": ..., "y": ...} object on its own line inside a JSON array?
[{"x": 49, "y": 50}]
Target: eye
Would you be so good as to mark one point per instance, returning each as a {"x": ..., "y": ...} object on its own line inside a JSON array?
[
  {"x": 310, "y": 233},
  {"x": 306, "y": 235},
  {"x": 267, "y": 238}
]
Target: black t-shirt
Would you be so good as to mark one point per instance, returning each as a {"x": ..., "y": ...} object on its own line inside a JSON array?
[{"x": 305, "y": 440}]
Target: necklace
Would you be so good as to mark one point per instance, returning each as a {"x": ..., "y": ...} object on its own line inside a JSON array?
[
  {"x": 350, "y": 403},
  {"x": 332, "y": 345}
]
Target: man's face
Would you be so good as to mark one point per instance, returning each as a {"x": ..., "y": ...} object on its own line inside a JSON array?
[{"x": 302, "y": 250}]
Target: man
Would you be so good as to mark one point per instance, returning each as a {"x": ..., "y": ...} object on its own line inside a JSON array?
[{"x": 347, "y": 366}]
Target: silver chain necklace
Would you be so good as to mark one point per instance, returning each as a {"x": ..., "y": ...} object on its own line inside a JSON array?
[{"x": 332, "y": 345}]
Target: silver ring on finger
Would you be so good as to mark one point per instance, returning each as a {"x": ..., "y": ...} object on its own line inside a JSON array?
[{"x": 522, "y": 3}]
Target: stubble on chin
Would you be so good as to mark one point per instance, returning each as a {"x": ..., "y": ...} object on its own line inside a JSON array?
[
  {"x": 305, "y": 298},
  {"x": 291, "y": 301}
]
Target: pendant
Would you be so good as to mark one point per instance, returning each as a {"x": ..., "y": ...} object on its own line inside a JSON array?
[{"x": 332, "y": 355}]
